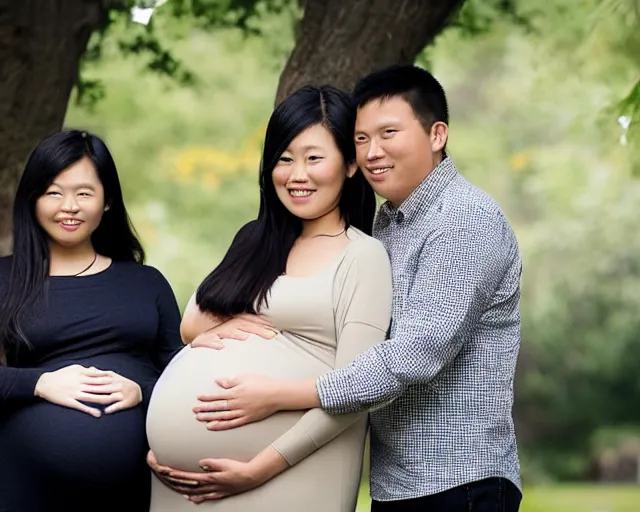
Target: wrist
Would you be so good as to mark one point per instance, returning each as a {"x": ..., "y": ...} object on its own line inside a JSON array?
[
  {"x": 257, "y": 472},
  {"x": 266, "y": 465},
  {"x": 295, "y": 395},
  {"x": 280, "y": 395},
  {"x": 138, "y": 390},
  {"x": 40, "y": 384}
]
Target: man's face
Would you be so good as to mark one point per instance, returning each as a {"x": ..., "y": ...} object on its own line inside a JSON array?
[{"x": 393, "y": 149}]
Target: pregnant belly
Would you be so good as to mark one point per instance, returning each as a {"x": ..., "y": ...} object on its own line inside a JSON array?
[
  {"x": 73, "y": 446},
  {"x": 69, "y": 445},
  {"x": 179, "y": 440}
]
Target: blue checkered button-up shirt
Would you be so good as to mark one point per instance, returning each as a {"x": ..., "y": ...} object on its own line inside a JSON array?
[{"x": 442, "y": 386}]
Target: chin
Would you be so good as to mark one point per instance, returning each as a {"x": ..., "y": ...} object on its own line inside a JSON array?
[
  {"x": 305, "y": 215},
  {"x": 67, "y": 242},
  {"x": 301, "y": 212}
]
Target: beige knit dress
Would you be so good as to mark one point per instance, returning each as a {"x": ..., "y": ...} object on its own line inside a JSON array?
[{"x": 324, "y": 322}]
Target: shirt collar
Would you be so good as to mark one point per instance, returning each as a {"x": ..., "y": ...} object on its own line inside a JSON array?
[{"x": 425, "y": 194}]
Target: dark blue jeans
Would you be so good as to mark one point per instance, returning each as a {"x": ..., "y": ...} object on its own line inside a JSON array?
[{"x": 489, "y": 495}]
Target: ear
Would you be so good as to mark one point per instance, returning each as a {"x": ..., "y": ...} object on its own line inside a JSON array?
[
  {"x": 439, "y": 136},
  {"x": 352, "y": 169}
]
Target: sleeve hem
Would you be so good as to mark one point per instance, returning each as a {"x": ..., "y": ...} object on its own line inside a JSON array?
[{"x": 24, "y": 383}]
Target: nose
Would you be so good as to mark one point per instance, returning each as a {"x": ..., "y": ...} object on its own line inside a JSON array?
[
  {"x": 375, "y": 151},
  {"x": 298, "y": 173},
  {"x": 69, "y": 204}
]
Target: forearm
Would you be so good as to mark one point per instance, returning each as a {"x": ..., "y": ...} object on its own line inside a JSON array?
[
  {"x": 296, "y": 395},
  {"x": 18, "y": 384},
  {"x": 268, "y": 464},
  {"x": 195, "y": 321},
  {"x": 365, "y": 384},
  {"x": 313, "y": 431}
]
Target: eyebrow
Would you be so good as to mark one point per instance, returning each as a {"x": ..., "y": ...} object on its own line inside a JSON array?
[
  {"x": 81, "y": 185},
  {"x": 380, "y": 126},
  {"x": 304, "y": 148}
]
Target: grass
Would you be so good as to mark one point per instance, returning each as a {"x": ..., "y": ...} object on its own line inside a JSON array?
[{"x": 563, "y": 498}]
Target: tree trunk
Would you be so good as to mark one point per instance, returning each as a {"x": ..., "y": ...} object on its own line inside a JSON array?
[
  {"x": 340, "y": 41},
  {"x": 41, "y": 42}
]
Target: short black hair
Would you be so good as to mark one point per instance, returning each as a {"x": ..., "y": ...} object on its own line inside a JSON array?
[{"x": 415, "y": 85}]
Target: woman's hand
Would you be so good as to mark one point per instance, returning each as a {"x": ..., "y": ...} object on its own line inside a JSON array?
[
  {"x": 207, "y": 339},
  {"x": 239, "y": 327},
  {"x": 69, "y": 385},
  {"x": 222, "y": 478},
  {"x": 123, "y": 393},
  {"x": 163, "y": 472},
  {"x": 73, "y": 384}
]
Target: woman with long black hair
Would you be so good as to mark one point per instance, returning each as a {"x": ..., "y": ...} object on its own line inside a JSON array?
[
  {"x": 311, "y": 271},
  {"x": 85, "y": 330}
]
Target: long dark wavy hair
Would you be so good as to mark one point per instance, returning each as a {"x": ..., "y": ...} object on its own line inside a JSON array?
[
  {"x": 258, "y": 254},
  {"x": 114, "y": 237}
]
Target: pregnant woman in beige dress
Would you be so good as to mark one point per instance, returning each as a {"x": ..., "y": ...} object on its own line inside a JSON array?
[{"x": 309, "y": 268}]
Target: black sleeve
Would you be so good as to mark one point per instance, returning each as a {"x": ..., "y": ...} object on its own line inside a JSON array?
[
  {"x": 16, "y": 384},
  {"x": 168, "y": 341}
]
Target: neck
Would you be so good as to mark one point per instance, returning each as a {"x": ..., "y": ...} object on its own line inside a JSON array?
[
  {"x": 329, "y": 224},
  {"x": 437, "y": 160},
  {"x": 64, "y": 258}
]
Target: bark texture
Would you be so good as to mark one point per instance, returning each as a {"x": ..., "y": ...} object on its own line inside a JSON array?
[
  {"x": 340, "y": 41},
  {"x": 41, "y": 42}
]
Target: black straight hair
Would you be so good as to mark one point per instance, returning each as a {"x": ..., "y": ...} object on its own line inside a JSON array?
[
  {"x": 114, "y": 237},
  {"x": 258, "y": 254},
  {"x": 415, "y": 85}
]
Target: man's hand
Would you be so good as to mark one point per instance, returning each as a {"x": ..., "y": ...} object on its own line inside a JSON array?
[
  {"x": 244, "y": 399},
  {"x": 249, "y": 398}
]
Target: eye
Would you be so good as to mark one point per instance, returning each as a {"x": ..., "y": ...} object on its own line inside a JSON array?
[
  {"x": 285, "y": 159},
  {"x": 84, "y": 194},
  {"x": 360, "y": 139},
  {"x": 52, "y": 193},
  {"x": 389, "y": 132},
  {"x": 315, "y": 158}
]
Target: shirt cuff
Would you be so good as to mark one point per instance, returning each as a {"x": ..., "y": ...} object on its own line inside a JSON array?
[
  {"x": 295, "y": 444},
  {"x": 24, "y": 383},
  {"x": 363, "y": 385},
  {"x": 336, "y": 395}
]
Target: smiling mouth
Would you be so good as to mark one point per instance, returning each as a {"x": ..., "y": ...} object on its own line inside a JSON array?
[
  {"x": 70, "y": 222},
  {"x": 300, "y": 193},
  {"x": 380, "y": 170}
]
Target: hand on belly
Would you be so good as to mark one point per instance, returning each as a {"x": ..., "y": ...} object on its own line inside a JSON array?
[{"x": 179, "y": 440}]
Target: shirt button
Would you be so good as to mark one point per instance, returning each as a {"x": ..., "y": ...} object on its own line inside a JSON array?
[{"x": 399, "y": 218}]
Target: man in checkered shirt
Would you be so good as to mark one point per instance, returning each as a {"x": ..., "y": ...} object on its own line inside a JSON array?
[{"x": 441, "y": 387}]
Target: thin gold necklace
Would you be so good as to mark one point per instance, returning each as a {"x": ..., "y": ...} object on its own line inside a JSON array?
[{"x": 330, "y": 236}]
